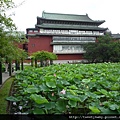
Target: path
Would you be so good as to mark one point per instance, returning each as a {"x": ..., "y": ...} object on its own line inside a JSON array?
[{"x": 5, "y": 76}]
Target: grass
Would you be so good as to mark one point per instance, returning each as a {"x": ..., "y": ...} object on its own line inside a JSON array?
[{"x": 4, "y": 92}]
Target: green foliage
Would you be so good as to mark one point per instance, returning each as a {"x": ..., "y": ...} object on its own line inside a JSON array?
[
  {"x": 44, "y": 56},
  {"x": 68, "y": 88},
  {"x": 38, "y": 99},
  {"x": 3, "y": 68},
  {"x": 104, "y": 50},
  {"x": 13, "y": 99},
  {"x": 8, "y": 34}
]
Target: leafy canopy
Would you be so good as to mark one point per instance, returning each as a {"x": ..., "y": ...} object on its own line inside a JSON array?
[
  {"x": 8, "y": 33},
  {"x": 104, "y": 50}
]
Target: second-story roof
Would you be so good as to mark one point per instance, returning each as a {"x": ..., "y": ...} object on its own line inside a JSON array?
[{"x": 72, "y": 27}]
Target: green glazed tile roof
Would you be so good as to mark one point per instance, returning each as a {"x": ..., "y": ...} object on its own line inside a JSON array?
[{"x": 68, "y": 17}]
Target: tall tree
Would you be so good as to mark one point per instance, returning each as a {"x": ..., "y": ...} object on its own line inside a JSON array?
[
  {"x": 7, "y": 36},
  {"x": 104, "y": 50}
]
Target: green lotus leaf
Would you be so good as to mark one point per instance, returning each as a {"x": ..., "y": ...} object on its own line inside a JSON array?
[
  {"x": 43, "y": 87},
  {"x": 52, "y": 98},
  {"x": 72, "y": 103},
  {"x": 92, "y": 95},
  {"x": 107, "y": 111},
  {"x": 77, "y": 81},
  {"x": 64, "y": 82},
  {"x": 12, "y": 99},
  {"x": 113, "y": 106},
  {"x": 103, "y": 91},
  {"x": 59, "y": 84},
  {"x": 73, "y": 97},
  {"x": 38, "y": 111},
  {"x": 116, "y": 86},
  {"x": 61, "y": 105},
  {"x": 51, "y": 84},
  {"x": 32, "y": 90},
  {"x": 86, "y": 80},
  {"x": 24, "y": 84},
  {"x": 94, "y": 109},
  {"x": 83, "y": 97},
  {"x": 50, "y": 105},
  {"x": 38, "y": 99},
  {"x": 78, "y": 76},
  {"x": 73, "y": 92},
  {"x": 73, "y": 87}
]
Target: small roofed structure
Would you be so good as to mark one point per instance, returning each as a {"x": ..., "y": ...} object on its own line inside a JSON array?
[{"x": 116, "y": 36}]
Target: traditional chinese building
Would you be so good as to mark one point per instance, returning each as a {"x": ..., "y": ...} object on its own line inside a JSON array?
[{"x": 63, "y": 34}]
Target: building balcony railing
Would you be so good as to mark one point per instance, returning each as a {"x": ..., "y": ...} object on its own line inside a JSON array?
[
  {"x": 64, "y": 34},
  {"x": 66, "y": 39},
  {"x": 92, "y": 34},
  {"x": 71, "y": 33}
]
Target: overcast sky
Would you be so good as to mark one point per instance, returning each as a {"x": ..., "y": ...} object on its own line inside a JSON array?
[{"x": 108, "y": 10}]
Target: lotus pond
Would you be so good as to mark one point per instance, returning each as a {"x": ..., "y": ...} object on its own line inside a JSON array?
[{"x": 67, "y": 89}]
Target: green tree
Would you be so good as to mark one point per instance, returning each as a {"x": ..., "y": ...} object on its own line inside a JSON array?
[
  {"x": 8, "y": 36},
  {"x": 104, "y": 50},
  {"x": 44, "y": 57},
  {"x": 115, "y": 53},
  {"x": 91, "y": 52}
]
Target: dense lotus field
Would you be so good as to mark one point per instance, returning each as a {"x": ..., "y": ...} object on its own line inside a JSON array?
[{"x": 67, "y": 89}]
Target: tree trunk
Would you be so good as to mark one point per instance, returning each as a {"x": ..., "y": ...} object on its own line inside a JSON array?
[
  {"x": 47, "y": 62},
  {"x": 51, "y": 62},
  {"x": 10, "y": 69},
  {"x": 16, "y": 65},
  {"x": 35, "y": 63},
  {"x": 0, "y": 72},
  {"x": 22, "y": 64},
  {"x": 41, "y": 63},
  {"x": 32, "y": 62}
]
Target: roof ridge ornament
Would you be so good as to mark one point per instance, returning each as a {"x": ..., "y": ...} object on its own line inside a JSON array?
[{"x": 43, "y": 13}]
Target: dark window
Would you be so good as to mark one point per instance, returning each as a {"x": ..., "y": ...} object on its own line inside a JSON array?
[{"x": 25, "y": 47}]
